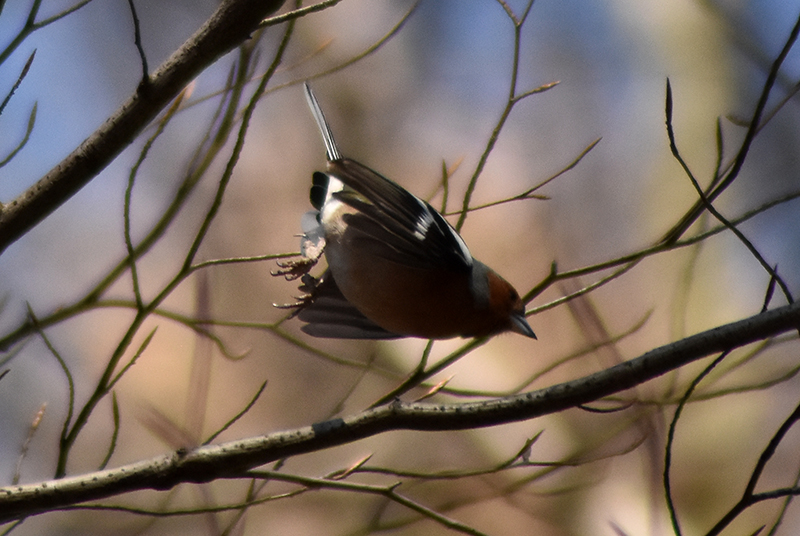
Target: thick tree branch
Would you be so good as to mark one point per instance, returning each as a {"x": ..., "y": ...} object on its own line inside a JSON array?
[
  {"x": 230, "y": 24},
  {"x": 230, "y": 460}
]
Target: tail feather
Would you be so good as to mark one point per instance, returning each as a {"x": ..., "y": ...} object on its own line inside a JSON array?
[{"x": 324, "y": 128}]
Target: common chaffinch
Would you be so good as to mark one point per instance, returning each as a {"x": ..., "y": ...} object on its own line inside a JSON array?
[{"x": 396, "y": 267}]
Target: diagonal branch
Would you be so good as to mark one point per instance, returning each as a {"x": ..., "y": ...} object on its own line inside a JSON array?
[
  {"x": 230, "y": 25},
  {"x": 233, "y": 459}
]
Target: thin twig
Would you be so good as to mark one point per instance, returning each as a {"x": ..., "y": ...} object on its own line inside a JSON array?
[
  {"x": 710, "y": 207},
  {"x": 137, "y": 39},
  {"x": 671, "y": 439},
  {"x": 20, "y": 78},
  {"x": 112, "y": 445},
  {"x": 749, "y": 497},
  {"x": 518, "y": 23},
  {"x": 238, "y": 416},
  {"x": 691, "y": 216}
]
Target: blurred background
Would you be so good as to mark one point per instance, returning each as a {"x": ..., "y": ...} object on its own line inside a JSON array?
[{"x": 432, "y": 94}]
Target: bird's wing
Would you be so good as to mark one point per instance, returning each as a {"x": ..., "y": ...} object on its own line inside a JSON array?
[
  {"x": 330, "y": 315},
  {"x": 402, "y": 227},
  {"x": 409, "y": 230}
]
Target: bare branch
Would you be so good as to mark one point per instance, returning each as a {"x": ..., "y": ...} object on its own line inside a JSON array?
[
  {"x": 231, "y": 24},
  {"x": 755, "y": 124},
  {"x": 229, "y": 460}
]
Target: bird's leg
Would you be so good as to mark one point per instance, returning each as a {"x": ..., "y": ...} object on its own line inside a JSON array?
[
  {"x": 295, "y": 268},
  {"x": 312, "y": 251}
]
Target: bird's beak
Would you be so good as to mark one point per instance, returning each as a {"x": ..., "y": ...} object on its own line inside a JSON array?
[{"x": 521, "y": 326}]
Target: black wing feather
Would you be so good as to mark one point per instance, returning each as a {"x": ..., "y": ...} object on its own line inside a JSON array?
[{"x": 413, "y": 226}]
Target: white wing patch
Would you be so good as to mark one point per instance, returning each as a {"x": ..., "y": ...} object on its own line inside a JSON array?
[
  {"x": 332, "y": 209},
  {"x": 334, "y": 185},
  {"x": 427, "y": 218},
  {"x": 424, "y": 223}
]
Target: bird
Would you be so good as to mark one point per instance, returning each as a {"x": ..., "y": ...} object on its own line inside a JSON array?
[{"x": 396, "y": 267}]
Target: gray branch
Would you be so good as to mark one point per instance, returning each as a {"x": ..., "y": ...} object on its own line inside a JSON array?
[
  {"x": 230, "y": 25},
  {"x": 231, "y": 460}
]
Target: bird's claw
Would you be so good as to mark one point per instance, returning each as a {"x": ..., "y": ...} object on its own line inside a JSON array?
[
  {"x": 297, "y": 268},
  {"x": 308, "y": 287}
]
